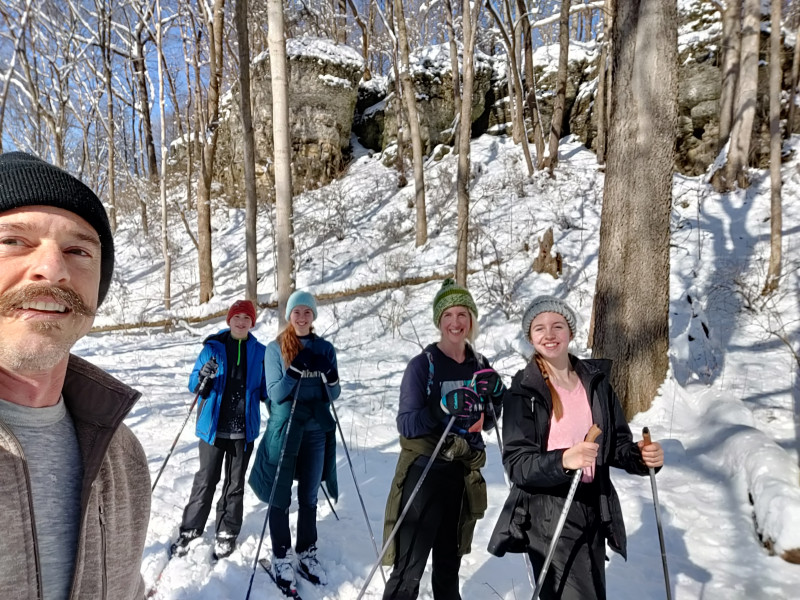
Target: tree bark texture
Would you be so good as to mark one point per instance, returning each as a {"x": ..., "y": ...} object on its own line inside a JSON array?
[
  {"x": 248, "y": 149},
  {"x": 735, "y": 170},
  {"x": 632, "y": 293},
  {"x": 561, "y": 86},
  {"x": 410, "y": 96},
  {"x": 208, "y": 151},
  {"x": 284, "y": 226},
  {"x": 470, "y": 22},
  {"x": 731, "y": 51},
  {"x": 775, "y": 143}
]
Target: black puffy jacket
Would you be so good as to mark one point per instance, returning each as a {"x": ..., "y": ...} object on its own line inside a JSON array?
[{"x": 537, "y": 474}]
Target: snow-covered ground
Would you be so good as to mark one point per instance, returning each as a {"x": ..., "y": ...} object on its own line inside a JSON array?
[{"x": 725, "y": 414}]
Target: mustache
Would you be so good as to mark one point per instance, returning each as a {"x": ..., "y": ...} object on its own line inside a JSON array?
[{"x": 67, "y": 297}]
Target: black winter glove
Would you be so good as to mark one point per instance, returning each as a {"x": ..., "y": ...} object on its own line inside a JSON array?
[
  {"x": 302, "y": 362},
  {"x": 488, "y": 384},
  {"x": 206, "y": 378},
  {"x": 331, "y": 376},
  {"x": 520, "y": 524}
]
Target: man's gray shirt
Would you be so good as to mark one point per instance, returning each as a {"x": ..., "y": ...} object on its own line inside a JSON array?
[{"x": 48, "y": 440}]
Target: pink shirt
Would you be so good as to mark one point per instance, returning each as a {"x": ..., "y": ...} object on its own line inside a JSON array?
[{"x": 574, "y": 424}]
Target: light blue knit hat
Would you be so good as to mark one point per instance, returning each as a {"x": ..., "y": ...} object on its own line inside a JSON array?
[{"x": 301, "y": 298}]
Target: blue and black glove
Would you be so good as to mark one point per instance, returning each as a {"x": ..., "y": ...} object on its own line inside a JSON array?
[
  {"x": 465, "y": 405},
  {"x": 302, "y": 362},
  {"x": 490, "y": 388}
]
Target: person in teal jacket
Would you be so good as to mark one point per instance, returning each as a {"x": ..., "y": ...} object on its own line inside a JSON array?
[
  {"x": 299, "y": 364},
  {"x": 228, "y": 421}
]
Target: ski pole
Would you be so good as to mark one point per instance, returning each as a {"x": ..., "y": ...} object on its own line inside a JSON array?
[
  {"x": 407, "y": 507},
  {"x": 648, "y": 441},
  {"x": 200, "y": 390},
  {"x": 576, "y": 478},
  {"x": 352, "y": 471},
  {"x": 330, "y": 504},
  {"x": 274, "y": 487}
]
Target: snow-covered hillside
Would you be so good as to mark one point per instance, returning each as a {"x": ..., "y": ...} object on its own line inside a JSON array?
[{"x": 726, "y": 412}]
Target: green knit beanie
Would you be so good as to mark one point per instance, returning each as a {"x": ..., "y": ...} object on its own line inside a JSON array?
[{"x": 451, "y": 295}]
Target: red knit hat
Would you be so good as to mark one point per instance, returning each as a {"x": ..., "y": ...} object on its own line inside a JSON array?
[{"x": 242, "y": 307}]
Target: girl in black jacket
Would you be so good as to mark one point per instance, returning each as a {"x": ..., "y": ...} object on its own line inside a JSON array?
[{"x": 551, "y": 405}]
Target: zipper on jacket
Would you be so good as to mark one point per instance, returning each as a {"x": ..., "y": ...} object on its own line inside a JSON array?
[
  {"x": 102, "y": 517},
  {"x": 39, "y": 583}
]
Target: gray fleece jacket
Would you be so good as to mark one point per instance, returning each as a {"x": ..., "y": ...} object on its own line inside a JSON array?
[{"x": 115, "y": 496}]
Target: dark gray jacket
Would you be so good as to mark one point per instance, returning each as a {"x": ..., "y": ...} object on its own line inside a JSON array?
[
  {"x": 115, "y": 496},
  {"x": 537, "y": 474}
]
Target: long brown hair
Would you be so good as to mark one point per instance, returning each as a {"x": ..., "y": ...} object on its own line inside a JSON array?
[
  {"x": 290, "y": 344},
  {"x": 558, "y": 407}
]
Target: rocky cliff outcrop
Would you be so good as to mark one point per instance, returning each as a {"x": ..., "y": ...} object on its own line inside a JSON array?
[{"x": 323, "y": 87}]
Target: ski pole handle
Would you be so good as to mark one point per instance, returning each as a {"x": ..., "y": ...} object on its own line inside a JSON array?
[
  {"x": 646, "y": 436},
  {"x": 593, "y": 434}
]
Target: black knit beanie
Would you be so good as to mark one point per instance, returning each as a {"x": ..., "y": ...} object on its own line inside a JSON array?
[{"x": 26, "y": 180}]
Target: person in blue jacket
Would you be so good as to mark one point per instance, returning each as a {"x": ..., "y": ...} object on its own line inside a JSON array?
[
  {"x": 228, "y": 421},
  {"x": 301, "y": 369}
]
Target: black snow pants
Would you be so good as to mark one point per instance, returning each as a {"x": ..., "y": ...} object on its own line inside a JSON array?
[
  {"x": 430, "y": 525},
  {"x": 235, "y": 455},
  {"x": 577, "y": 571}
]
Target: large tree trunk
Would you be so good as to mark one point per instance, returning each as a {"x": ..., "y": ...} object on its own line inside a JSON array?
[
  {"x": 632, "y": 295},
  {"x": 731, "y": 51},
  {"x": 470, "y": 22},
  {"x": 410, "y": 96},
  {"x": 214, "y": 24},
  {"x": 775, "y": 142},
  {"x": 561, "y": 86},
  {"x": 246, "y": 113},
  {"x": 284, "y": 227},
  {"x": 735, "y": 169}
]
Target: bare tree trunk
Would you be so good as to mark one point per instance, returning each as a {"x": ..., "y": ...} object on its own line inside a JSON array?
[
  {"x": 515, "y": 82},
  {"x": 341, "y": 21},
  {"x": 731, "y": 55},
  {"x": 214, "y": 23},
  {"x": 561, "y": 86},
  {"x": 140, "y": 70},
  {"x": 469, "y": 24},
  {"x": 284, "y": 228},
  {"x": 632, "y": 294},
  {"x": 601, "y": 112},
  {"x": 364, "y": 39},
  {"x": 775, "y": 142},
  {"x": 246, "y": 113},
  {"x": 104, "y": 23},
  {"x": 735, "y": 169},
  {"x": 522, "y": 11},
  {"x": 793, "y": 88},
  {"x": 410, "y": 95},
  {"x": 400, "y": 163},
  {"x": 451, "y": 35},
  {"x": 163, "y": 176}
]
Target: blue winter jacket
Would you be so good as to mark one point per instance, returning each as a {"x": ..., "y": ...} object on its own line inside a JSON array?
[{"x": 256, "y": 387}]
